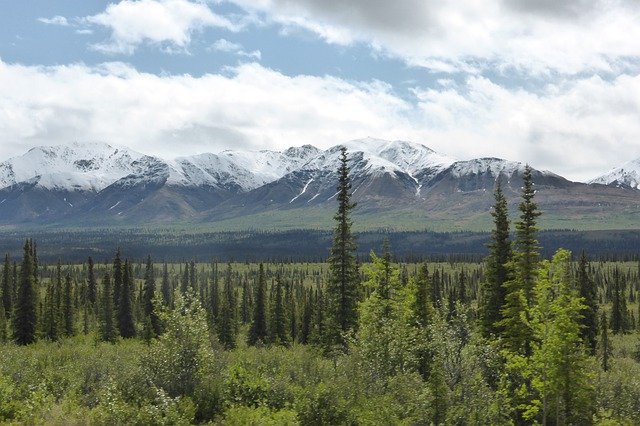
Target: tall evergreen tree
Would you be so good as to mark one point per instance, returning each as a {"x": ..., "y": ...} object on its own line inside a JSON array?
[
  {"x": 25, "y": 317},
  {"x": 258, "y": 331},
  {"x": 245, "y": 303},
  {"x": 92, "y": 285},
  {"x": 148, "y": 294},
  {"x": 184, "y": 282},
  {"x": 126, "y": 325},
  {"x": 7, "y": 287},
  {"x": 589, "y": 294},
  {"x": 279, "y": 332},
  {"x": 497, "y": 270},
  {"x": 423, "y": 305},
  {"x": 165, "y": 288},
  {"x": 227, "y": 322},
  {"x": 67, "y": 307},
  {"x": 117, "y": 278},
  {"x": 619, "y": 311},
  {"x": 605, "y": 343},
  {"x": 517, "y": 332},
  {"x": 559, "y": 361},
  {"x": 343, "y": 286},
  {"x": 50, "y": 320},
  {"x": 109, "y": 331},
  {"x": 214, "y": 297}
]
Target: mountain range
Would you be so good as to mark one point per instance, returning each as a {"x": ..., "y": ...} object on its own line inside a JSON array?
[{"x": 397, "y": 184}]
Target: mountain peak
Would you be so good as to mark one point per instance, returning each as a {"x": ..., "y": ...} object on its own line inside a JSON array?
[{"x": 624, "y": 176}]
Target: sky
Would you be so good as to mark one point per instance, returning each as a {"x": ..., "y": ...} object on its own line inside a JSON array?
[{"x": 555, "y": 84}]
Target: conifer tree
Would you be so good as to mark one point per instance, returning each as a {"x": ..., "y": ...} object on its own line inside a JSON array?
[
  {"x": 148, "y": 294},
  {"x": 117, "y": 278},
  {"x": 125, "y": 307},
  {"x": 214, "y": 297},
  {"x": 109, "y": 331},
  {"x": 605, "y": 344},
  {"x": 497, "y": 271},
  {"x": 307, "y": 317},
  {"x": 516, "y": 331},
  {"x": 318, "y": 331},
  {"x": 50, "y": 320},
  {"x": 165, "y": 288},
  {"x": 245, "y": 304},
  {"x": 423, "y": 305},
  {"x": 258, "y": 331},
  {"x": 559, "y": 360},
  {"x": 227, "y": 322},
  {"x": 67, "y": 307},
  {"x": 92, "y": 294},
  {"x": 589, "y": 293},
  {"x": 343, "y": 286},
  {"x": 24, "y": 318},
  {"x": 279, "y": 333},
  {"x": 184, "y": 283},
  {"x": 7, "y": 287},
  {"x": 3, "y": 325},
  {"x": 619, "y": 312}
]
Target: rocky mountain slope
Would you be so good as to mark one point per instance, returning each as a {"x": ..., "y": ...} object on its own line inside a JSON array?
[{"x": 393, "y": 181}]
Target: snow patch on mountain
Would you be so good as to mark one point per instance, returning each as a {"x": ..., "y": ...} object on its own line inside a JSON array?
[
  {"x": 626, "y": 176},
  {"x": 76, "y": 166}
]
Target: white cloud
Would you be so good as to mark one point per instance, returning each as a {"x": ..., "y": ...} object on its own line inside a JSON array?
[
  {"x": 56, "y": 20},
  {"x": 168, "y": 23},
  {"x": 575, "y": 128},
  {"x": 534, "y": 36},
  {"x": 223, "y": 45}
]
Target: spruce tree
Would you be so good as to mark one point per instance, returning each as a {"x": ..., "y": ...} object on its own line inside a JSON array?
[
  {"x": 605, "y": 344},
  {"x": 92, "y": 294},
  {"x": 109, "y": 331},
  {"x": 279, "y": 333},
  {"x": 227, "y": 322},
  {"x": 50, "y": 320},
  {"x": 343, "y": 286},
  {"x": 258, "y": 331},
  {"x": 24, "y": 318},
  {"x": 67, "y": 307},
  {"x": 125, "y": 307},
  {"x": 589, "y": 294},
  {"x": 497, "y": 270},
  {"x": 184, "y": 283},
  {"x": 3, "y": 325},
  {"x": 148, "y": 294},
  {"x": 619, "y": 305},
  {"x": 7, "y": 287},
  {"x": 516, "y": 329},
  {"x": 423, "y": 305},
  {"x": 214, "y": 297},
  {"x": 117, "y": 278},
  {"x": 165, "y": 288}
]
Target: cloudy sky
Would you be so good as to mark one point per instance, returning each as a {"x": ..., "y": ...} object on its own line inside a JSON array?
[{"x": 552, "y": 83}]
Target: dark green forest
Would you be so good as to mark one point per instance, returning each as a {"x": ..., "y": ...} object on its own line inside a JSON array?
[{"x": 517, "y": 333}]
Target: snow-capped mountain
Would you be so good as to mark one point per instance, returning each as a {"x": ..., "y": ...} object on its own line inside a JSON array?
[
  {"x": 73, "y": 167},
  {"x": 625, "y": 176},
  {"x": 103, "y": 184}
]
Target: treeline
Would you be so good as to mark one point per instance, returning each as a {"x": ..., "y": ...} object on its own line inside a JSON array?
[
  {"x": 301, "y": 245},
  {"x": 514, "y": 340}
]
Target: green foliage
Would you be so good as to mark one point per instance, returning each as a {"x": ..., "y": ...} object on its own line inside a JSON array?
[
  {"x": 259, "y": 416},
  {"x": 342, "y": 289},
  {"x": 126, "y": 325},
  {"x": 492, "y": 297},
  {"x": 560, "y": 369},
  {"x": 387, "y": 342},
  {"x": 176, "y": 360},
  {"x": 24, "y": 317},
  {"x": 258, "y": 331}
]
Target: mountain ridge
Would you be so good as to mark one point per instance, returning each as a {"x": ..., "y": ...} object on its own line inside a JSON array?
[{"x": 101, "y": 184}]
